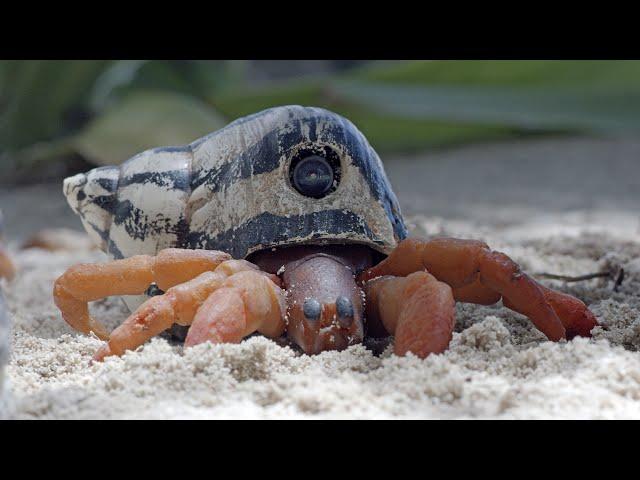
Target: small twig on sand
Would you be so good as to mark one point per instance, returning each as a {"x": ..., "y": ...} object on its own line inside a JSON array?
[
  {"x": 618, "y": 277},
  {"x": 567, "y": 278},
  {"x": 619, "y": 280}
]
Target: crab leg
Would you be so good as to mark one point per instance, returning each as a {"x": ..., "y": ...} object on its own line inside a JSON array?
[
  {"x": 84, "y": 283},
  {"x": 473, "y": 270},
  {"x": 245, "y": 303},
  {"x": 224, "y": 305},
  {"x": 7, "y": 269},
  {"x": 476, "y": 293},
  {"x": 418, "y": 310}
]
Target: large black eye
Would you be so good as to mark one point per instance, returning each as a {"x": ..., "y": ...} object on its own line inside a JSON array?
[
  {"x": 313, "y": 176},
  {"x": 315, "y": 170}
]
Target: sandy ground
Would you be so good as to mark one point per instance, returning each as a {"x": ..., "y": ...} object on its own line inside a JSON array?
[{"x": 562, "y": 205}]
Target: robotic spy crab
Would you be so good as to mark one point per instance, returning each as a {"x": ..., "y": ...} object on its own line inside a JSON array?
[{"x": 283, "y": 222}]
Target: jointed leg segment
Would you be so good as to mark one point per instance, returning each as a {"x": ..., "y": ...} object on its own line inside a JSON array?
[
  {"x": 479, "y": 275},
  {"x": 224, "y": 306},
  {"x": 7, "y": 269},
  {"x": 84, "y": 283},
  {"x": 246, "y": 302},
  {"x": 418, "y": 309}
]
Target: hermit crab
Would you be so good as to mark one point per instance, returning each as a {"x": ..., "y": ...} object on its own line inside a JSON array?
[{"x": 282, "y": 223}]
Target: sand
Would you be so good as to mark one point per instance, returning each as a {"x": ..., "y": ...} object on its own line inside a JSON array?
[{"x": 497, "y": 366}]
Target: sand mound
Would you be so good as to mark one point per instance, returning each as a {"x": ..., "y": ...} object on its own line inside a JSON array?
[{"x": 498, "y": 366}]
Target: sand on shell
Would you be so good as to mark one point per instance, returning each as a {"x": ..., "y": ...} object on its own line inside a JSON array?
[{"x": 497, "y": 366}]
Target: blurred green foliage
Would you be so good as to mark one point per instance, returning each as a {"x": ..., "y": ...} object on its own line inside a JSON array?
[
  {"x": 106, "y": 111},
  {"x": 144, "y": 119},
  {"x": 521, "y": 73}
]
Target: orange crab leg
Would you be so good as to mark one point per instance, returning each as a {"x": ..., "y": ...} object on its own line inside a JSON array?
[
  {"x": 473, "y": 270},
  {"x": 84, "y": 283},
  {"x": 577, "y": 319},
  {"x": 476, "y": 293},
  {"x": 418, "y": 310},
  {"x": 7, "y": 268},
  {"x": 247, "y": 302},
  {"x": 256, "y": 303}
]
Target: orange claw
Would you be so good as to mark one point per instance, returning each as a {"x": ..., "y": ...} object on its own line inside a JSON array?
[
  {"x": 520, "y": 292},
  {"x": 245, "y": 303},
  {"x": 178, "y": 305},
  {"x": 224, "y": 306},
  {"x": 476, "y": 293},
  {"x": 479, "y": 275},
  {"x": 578, "y": 320},
  {"x": 7, "y": 268},
  {"x": 222, "y": 318},
  {"x": 418, "y": 310}
]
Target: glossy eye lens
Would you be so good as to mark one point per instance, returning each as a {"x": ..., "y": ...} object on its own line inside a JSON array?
[{"x": 313, "y": 176}]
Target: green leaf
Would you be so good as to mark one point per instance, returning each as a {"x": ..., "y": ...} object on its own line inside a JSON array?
[
  {"x": 37, "y": 97},
  {"x": 213, "y": 77},
  {"x": 386, "y": 132},
  {"x": 197, "y": 78},
  {"x": 602, "y": 74},
  {"x": 145, "y": 120},
  {"x": 120, "y": 75}
]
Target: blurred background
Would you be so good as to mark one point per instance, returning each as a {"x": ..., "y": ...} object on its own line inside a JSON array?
[{"x": 458, "y": 138}]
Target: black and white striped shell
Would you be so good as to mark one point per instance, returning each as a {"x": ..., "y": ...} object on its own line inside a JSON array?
[{"x": 232, "y": 190}]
